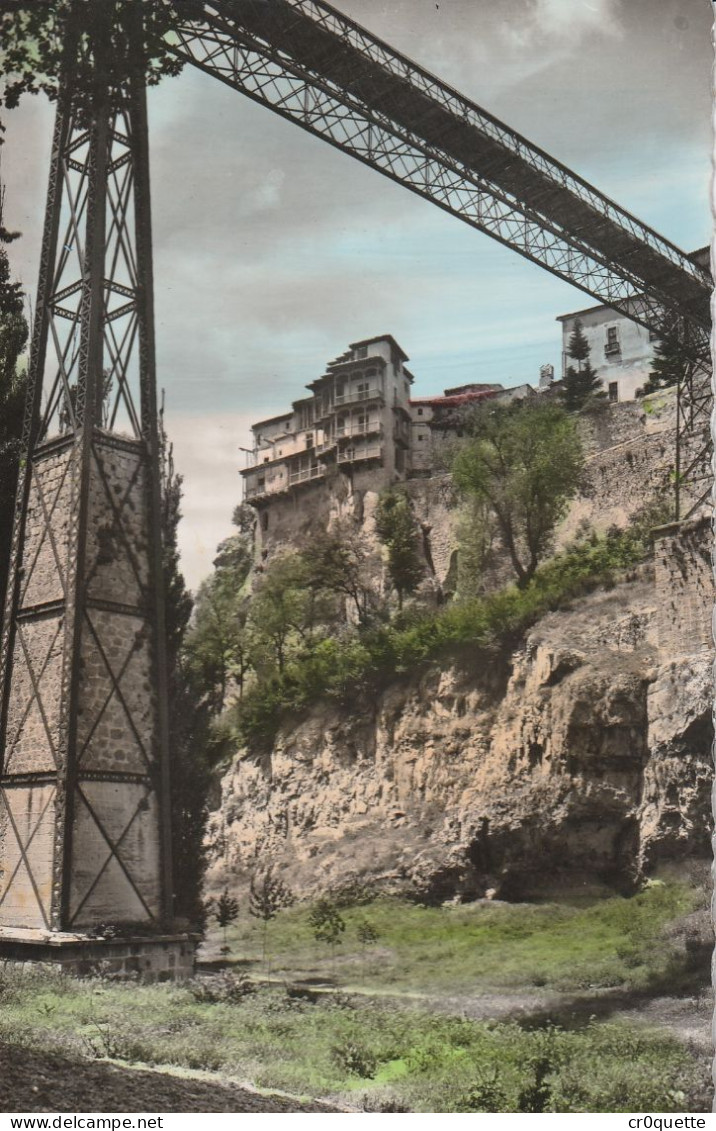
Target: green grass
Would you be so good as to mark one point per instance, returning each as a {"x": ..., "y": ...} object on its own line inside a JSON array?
[
  {"x": 373, "y": 1043},
  {"x": 473, "y": 947},
  {"x": 361, "y": 1052}
]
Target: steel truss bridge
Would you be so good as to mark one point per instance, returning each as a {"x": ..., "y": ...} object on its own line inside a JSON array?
[
  {"x": 84, "y": 797},
  {"x": 312, "y": 65}
]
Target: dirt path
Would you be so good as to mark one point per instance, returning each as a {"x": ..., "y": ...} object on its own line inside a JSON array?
[{"x": 43, "y": 1082}]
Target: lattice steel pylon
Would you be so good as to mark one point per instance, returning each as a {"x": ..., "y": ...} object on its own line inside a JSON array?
[{"x": 84, "y": 791}]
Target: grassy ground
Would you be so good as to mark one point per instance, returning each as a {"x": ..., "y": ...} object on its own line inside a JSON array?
[
  {"x": 479, "y": 946},
  {"x": 358, "y": 1051},
  {"x": 376, "y": 1053}
]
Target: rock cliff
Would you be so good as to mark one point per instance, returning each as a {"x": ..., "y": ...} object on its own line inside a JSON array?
[{"x": 583, "y": 758}]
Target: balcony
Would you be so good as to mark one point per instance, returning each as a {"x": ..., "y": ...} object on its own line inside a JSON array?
[
  {"x": 366, "y": 428},
  {"x": 303, "y": 475},
  {"x": 364, "y": 452},
  {"x": 357, "y": 395},
  {"x": 612, "y": 349},
  {"x": 262, "y": 490}
]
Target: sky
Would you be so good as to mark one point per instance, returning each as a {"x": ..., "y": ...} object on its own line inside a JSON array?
[{"x": 273, "y": 251}]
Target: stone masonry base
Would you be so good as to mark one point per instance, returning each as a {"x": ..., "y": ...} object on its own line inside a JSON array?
[{"x": 163, "y": 958}]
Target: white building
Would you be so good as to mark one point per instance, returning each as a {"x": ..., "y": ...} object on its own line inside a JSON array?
[{"x": 621, "y": 351}]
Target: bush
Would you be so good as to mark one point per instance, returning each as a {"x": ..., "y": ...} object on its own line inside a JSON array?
[
  {"x": 221, "y": 988},
  {"x": 355, "y": 1060}
]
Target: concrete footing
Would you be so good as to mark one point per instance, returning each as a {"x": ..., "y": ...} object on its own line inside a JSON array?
[{"x": 159, "y": 958}]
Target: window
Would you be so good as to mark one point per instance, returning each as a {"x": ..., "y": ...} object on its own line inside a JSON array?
[
  {"x": 266, "y": 459},
  {"x": 309, "y": 439},
  {"x": 612, "y": 347},
  {"x": 613, "y": 391},
  {"x": 420, "y": 412},
  {"x": 362, "y": 351}
]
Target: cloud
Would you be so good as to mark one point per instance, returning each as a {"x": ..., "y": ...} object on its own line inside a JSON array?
[{"x": 570, "y": 22}]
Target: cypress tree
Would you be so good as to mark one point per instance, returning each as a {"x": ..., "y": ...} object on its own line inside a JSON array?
[{"x": 581, "y": 381}]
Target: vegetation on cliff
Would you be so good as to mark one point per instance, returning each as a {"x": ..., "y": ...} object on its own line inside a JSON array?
[
  {"x": 352, "y": 663},
  {"x": 316, "y": 621},
  {"x": 521, "y": 462}
]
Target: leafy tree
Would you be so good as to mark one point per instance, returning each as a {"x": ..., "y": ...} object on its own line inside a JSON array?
[
  {"x": 337, "y": 562},
  {"x": 523, "y": 461},
  {"x": 399, "y": 532},
  {"x": 13, "y": 338},
  {"x": 367, "y": 936},
  {"x": 99, "y": 42},
  {"x": 477, "y": 535},
  {"x": 226, "y": 912},
  {"x": 671, "y": 359},
  {"x": 268, "y": 895},
  {"x": 218, "y": 642},
  {"x": 581, "y": 383},
  {"x": 328, "y": 924},
  {"x": 282, "y": 613}
]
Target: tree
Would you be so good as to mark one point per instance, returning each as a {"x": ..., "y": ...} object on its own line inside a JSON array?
[
  {"x": 478, "y": 539},
  {"x": 337, "y": 562},
  {"x": 43, "y": 39},
  {"x": 671, "y": 359},
  {"x": 367, "y": 936},
  {"x": 328, "y": 924},
  {"x": 524, "y": 462},
  {"x": 367, "y": 933},
  {"x": 188, "y": 716},
  {"x": 226, "y": 912},
  {"x": 580, "y": 383},
  {"x": 399, "y": 532},
  {"x": 218, "y": 642},
  {"x": 268, "y": 895},
  {"x": 282, "y": 613},
  {"x": 13, "y": 382}
]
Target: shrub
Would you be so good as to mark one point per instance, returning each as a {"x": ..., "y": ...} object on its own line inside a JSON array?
[
  {"x": 221, "y": 988},
  {"x": 355, "y": 1060}
]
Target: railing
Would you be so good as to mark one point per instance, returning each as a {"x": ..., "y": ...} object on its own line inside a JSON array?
[
  {"x": 365, "y": 429},
  {"x": 614, "y": 349},
  {"x": 304, "y": 475},
  {"x": 351, "y": 455},
  {"x": 358, "y": 395}
]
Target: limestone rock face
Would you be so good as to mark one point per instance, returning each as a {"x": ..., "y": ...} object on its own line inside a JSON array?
[{"x": 583, "y": 758}]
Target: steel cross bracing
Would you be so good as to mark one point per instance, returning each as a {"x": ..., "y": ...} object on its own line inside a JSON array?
[
  {"x": 315, "y": 67},
  {"x": 83, "y": 718}
]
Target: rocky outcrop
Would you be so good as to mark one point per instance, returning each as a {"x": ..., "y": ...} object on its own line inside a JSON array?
[{"x": 581, "y": 759}]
